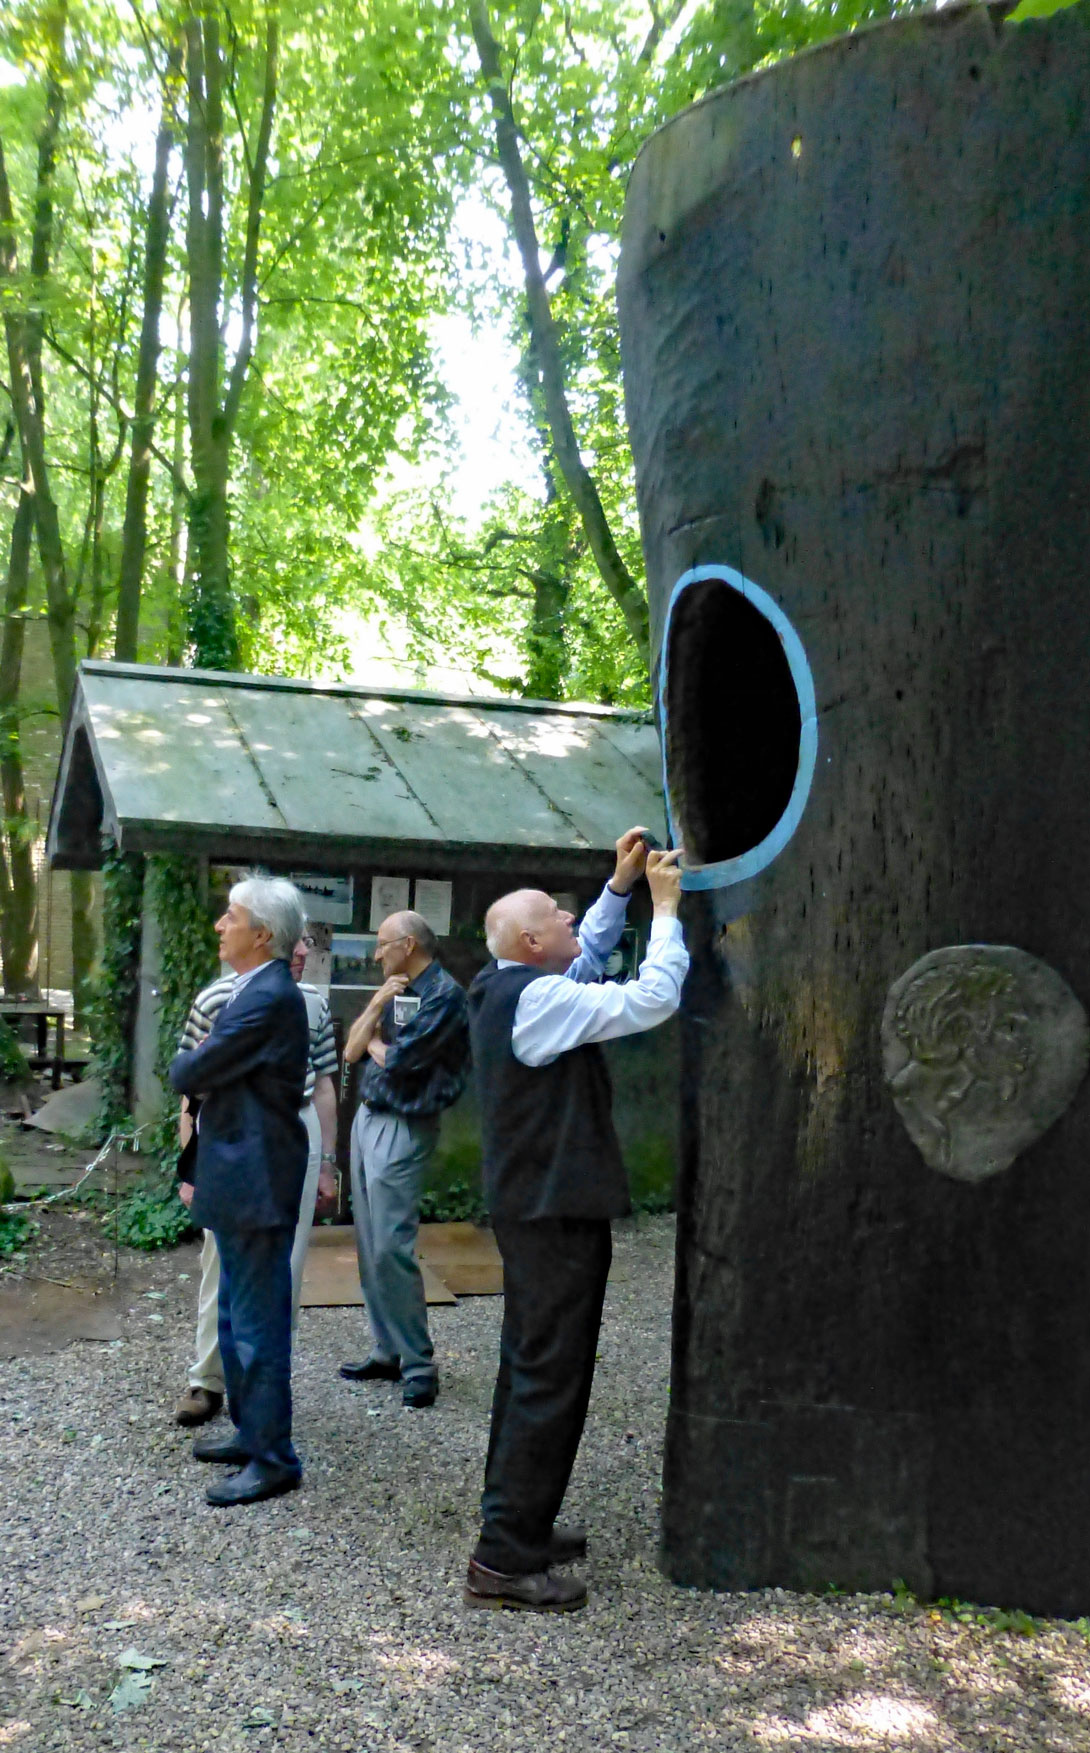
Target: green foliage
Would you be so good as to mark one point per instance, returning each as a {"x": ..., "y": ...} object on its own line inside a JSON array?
[
  {"x": 1038, "y": 9},
  {"x": 16, "y": 1230},
  {"x": 958, "y": 1612},
  {"x": 991, "y": 1618},
  {"x": 458, "y": 1202},
  {"x": 189, "y": 960},
  {"x": 117, "y": 983},
  {"x": 149, "y": 1216},
  {"x": 13, "y": 1063}
]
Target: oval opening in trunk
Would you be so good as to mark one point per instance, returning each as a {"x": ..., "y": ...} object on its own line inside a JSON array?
[{"x": 739, "y": 726}]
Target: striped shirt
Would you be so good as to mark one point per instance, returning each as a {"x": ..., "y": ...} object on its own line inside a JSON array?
[{"x": 322, "y": 1059}]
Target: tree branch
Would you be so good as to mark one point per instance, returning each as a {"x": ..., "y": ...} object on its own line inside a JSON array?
[
  {"x": 614, "y": 573},
  {"x": 178, "y": 478}
]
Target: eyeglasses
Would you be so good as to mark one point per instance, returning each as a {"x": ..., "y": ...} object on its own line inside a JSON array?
[{"x": 390, "y": 942}]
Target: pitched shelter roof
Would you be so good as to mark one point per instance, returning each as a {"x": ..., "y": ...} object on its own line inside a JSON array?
[{"x": 161, "y": 760}]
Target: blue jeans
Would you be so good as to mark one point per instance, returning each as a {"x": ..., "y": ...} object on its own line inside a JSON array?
[{"x": 255, "y": 1341}]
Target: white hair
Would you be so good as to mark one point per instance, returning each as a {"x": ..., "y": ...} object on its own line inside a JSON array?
[{"x": 275, "y": 906}]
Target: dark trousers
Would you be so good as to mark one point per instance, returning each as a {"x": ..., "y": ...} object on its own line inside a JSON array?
[
  {"x": 255, "y": 1341},
  {"x": 554, "y": 1281}
]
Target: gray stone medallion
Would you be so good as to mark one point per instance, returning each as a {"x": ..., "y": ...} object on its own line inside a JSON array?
[{"x": 983, "y": 1048}]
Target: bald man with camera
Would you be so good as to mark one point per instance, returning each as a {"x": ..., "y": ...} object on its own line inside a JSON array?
[{"x": 553, "y": 1179}]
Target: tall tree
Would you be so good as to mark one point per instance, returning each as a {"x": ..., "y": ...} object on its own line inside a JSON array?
[
  {"x": 213, "y": 414},
  {"x": 157, "y": 237},
  {"x": 18, "y": 887}
]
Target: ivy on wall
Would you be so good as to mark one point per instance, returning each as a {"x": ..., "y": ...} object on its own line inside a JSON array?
[
  {"x": 188, "y": 960},
  {"x": 117, "y": 983}
]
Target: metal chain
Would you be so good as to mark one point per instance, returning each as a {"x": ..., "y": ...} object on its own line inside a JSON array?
[{"x": 67, "y": 1192}]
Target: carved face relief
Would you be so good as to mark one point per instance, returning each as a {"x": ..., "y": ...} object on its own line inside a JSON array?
[{"x": 983, "y": 1048}]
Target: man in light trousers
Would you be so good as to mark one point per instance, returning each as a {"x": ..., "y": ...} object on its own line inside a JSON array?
[{"x": 414, "y": 1039}]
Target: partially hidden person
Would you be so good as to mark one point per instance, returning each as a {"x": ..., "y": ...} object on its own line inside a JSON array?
[
  {"x": 414, "y": 1042},
  {"x": 250, "y": 1164},
  {"x": 553, "y": 1179}
]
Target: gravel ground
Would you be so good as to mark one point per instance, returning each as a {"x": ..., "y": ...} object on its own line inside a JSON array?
[{"x": 332, "y": 1619}]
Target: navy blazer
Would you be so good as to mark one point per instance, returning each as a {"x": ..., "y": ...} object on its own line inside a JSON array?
[{"x": 251, "y": 1144}]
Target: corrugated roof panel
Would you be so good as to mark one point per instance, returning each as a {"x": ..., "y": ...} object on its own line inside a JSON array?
[
  {"x": 325, "y": 769},
  {"x": 172, "y": 754},
  {"x": 472, "y": 790},
  {"x": 589, "y": 785},
  {"x": 638, "y": 745}
]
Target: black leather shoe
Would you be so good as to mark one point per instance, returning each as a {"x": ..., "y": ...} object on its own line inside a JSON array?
[
  {"x": 374, "y": 1369},
  {"x": 540, "y": 1592},
  {"x": 251, "y": 1485},
  {"x": 568, "y": 1542},
  {"x": 221, "y": 1448},
  {"x": 417, "y": 1395}
]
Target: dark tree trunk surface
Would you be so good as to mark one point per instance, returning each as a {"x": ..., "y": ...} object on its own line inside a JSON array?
[{"x": 857, "y": 358}]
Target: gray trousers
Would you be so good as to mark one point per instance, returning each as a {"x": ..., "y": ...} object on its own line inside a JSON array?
[{"x": 388, "y": 1159}]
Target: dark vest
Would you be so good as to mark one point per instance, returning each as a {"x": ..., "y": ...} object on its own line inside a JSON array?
[{"x": 549, "y": 1148}]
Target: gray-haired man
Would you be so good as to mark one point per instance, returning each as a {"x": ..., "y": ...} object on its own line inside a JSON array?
[
  {"x": 415, "y": 1039},
  {"x": 251, "y": 1162}
]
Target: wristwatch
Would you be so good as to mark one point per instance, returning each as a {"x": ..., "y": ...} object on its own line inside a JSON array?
[{"x": 329, "y": 1156}]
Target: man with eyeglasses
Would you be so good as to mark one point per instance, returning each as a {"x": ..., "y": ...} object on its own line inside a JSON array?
[{"x": 414, "y": 1040}]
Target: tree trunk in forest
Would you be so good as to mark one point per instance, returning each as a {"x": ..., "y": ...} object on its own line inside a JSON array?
[
  {"x": 213, "y": 618},
  {"x": 545, "y": 641},
  {"x": 178, "y": 550},
  {"x": 212, "y": 626},
  {"x": 623, "y": 588},
  {"x": 18, "y": 888},
  {"x": 23, "y": 332},
  {"x": 134, "y": 532}
]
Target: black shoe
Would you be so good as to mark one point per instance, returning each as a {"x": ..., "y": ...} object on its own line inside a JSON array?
[
  {"x": 567, "y": 1543},
  {"x": 417, "y": 1395},
  {"x": 375, "y": 1369},
  {"x": 219, "y": 1448},
  {"x": 251, "y": 1485}
]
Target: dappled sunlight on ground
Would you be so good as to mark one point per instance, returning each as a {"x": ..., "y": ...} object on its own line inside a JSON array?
[
  {"x": 331, "y": 1621},
  {"x": 863, "y": 1722}
]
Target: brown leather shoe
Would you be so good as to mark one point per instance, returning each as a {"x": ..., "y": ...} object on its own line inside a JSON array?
[
  {"x": 540, "y": 1592},
  {"x": 197, "y": 1406}
]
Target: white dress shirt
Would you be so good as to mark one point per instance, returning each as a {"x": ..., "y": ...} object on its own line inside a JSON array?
[{"x": 557, "y": 1012}]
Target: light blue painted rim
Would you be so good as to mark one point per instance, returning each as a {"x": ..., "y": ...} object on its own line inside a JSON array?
[{"x": 735, "y": 870}]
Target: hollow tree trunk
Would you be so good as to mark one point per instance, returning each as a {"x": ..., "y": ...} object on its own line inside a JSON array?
[{"x": 856, "y": 348}]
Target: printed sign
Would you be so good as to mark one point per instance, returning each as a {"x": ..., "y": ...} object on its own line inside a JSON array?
[
  {"x": 316, "y": 971},
  {"x": 389, "y": 894},
  {"x": 432, "y": 901}
]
